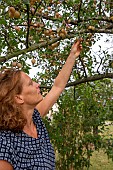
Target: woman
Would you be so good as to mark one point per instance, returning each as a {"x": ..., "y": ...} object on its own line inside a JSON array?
[{"x": 24, "y": 141}]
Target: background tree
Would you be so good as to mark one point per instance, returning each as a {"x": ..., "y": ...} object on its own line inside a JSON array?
[
  {"x": 78, "y": 126},
  {"x": 42, "y": 32}
]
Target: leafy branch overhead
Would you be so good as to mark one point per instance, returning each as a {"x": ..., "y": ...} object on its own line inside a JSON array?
[{"x": 43, "y": 32}]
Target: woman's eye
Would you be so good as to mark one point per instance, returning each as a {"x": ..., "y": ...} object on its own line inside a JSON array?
[{"x": 31, "y": 83}]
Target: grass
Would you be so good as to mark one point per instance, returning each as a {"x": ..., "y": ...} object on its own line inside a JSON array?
[{"x": 99, "y": 160}]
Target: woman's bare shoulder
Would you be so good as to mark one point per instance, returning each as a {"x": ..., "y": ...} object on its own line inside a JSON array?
[{"x": 5, "y": 165}]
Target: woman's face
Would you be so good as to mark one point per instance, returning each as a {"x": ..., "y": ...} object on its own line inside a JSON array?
[{"x": 30, "y": 91}]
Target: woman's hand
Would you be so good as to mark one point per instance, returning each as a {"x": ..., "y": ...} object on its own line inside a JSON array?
[{"x": 76, "y": 48}]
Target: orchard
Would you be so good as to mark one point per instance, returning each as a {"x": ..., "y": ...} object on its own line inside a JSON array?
[{"x": 39, "y": 34}]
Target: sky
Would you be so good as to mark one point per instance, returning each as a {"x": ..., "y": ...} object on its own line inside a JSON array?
[{"x": 104, "y": 45}]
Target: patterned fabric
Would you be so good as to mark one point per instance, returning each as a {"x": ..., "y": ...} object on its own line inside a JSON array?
[{"x": 25, "y": 152}]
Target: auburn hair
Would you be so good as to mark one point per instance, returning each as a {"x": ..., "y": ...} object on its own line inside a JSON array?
[{"x": 11, "y": 117}]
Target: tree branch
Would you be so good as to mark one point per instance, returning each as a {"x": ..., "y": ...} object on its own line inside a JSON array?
[
  {"x": 46, "y": 43},
  {"x": 79, "y": 10},
  {"x": 83, "y": 66},
  {"x": 84, "y": 80},
  {"x": 75, "y": 22},
  {"x": 28, "y": 23},
  {"x": 100, "y": 7},
  {"x": 90, "y": 79}
]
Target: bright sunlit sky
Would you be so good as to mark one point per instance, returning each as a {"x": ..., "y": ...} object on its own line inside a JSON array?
[
  {"x": 103, "y": 44},
  {"x": 95, "y": 50}
]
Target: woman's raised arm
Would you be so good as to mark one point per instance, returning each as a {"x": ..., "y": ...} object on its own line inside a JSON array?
[{"x": 61, "y": 80}]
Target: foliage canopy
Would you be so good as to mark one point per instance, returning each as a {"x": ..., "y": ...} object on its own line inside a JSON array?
[{"x": 42, "y": 32}]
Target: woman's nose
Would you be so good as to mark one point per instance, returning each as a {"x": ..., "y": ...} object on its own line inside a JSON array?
[{"x": 37, "y": 85}]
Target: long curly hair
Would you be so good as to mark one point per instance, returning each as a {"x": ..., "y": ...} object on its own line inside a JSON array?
[{"x": 11, "y": 117}]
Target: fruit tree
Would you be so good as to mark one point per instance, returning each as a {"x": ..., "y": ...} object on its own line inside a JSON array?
[{"x": 39, "y": 34}]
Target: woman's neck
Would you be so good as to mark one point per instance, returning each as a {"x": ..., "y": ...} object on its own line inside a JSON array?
[{"x": 30, "y": 127}]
